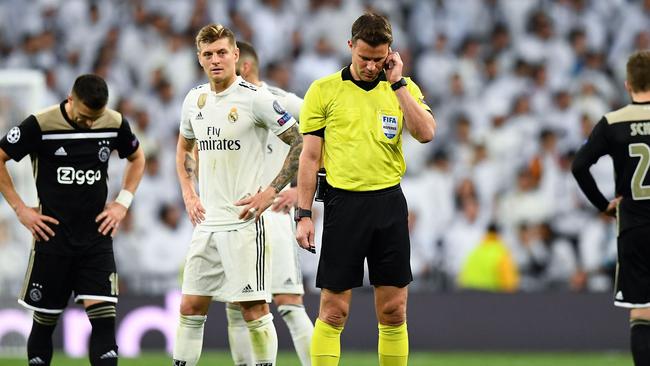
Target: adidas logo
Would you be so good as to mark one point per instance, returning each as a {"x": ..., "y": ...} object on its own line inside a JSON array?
[
  {"x": 247, "y": 289},
  {"x": 109, "y": 354},
  {"x": 199, "y": 116},
  {"x": 288, "y": 282},
  {"x": 179, "y": 363},
  {"x": 619, "y": 295},
  {"x": 36, "y": 361},
  {"x": 60, "y": 152}
]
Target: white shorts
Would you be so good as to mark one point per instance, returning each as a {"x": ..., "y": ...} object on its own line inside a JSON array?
[
  {"x": 286, "y": 275},
  {"x": 230, "y": 266}
]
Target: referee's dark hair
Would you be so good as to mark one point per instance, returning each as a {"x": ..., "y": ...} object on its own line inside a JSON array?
[
  {"x": 374, "y": 29},
  {"x": 638, "y": 71},
  {"x": 91, "y": 90}
]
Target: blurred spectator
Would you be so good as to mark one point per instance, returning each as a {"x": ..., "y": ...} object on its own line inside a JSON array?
[{"x": 489, "y": 267}]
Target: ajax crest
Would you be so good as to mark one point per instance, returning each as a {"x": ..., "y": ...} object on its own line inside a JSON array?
[{"x": 389, "y": 125}]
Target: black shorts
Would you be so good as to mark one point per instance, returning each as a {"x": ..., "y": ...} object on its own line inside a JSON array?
[
  {"x": 360, "y": 225},
  {"x": 52, "y": 278},
  {"x": 632, "y": 289}
]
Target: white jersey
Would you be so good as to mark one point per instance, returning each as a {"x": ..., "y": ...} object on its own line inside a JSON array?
[
  {"x": 230, "y": 129},
  {"x": 276, "y": 149}
]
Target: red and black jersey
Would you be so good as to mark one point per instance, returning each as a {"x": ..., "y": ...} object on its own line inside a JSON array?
[
  {"x": 623, "y": 134},
  {"x": 70, "y": 164}
]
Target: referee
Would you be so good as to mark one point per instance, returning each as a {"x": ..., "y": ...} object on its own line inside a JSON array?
[{"x": 352, "y": 121}]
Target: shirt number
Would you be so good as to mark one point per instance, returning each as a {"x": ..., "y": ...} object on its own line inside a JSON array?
[{"x": 642, "y": 151}]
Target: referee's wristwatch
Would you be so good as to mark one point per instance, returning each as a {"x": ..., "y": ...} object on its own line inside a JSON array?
[
  {"x": 398, "y": 84},
  {"x": 299, "y": 213}
]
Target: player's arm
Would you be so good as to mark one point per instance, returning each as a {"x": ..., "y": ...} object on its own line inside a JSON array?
[
  {"x": 186, "y": 168},
  {"x": 257, "y": 204},
  {"x": 30, "y": 217},
  {"x": 418, "y": 120},
  {"x": 589, "y": 153},
  {"x": 310, "y": 159},
  {"x": 110, "y": 218}
]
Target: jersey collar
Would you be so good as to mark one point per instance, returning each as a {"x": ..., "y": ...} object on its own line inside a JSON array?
[
  {"x": 230, "y": 89},
  {"x": 633, "y": 102},
  {"x": 66, "y": 117},
  {"x": 346, "y": 74}
]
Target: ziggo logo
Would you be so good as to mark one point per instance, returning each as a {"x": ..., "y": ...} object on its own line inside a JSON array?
[{"x": 68, "y": 175}]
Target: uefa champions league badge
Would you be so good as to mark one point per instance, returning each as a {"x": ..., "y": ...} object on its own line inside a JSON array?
[
  {"x": 278, "y": 108},
  {"x": 389, "y": 125},
  {"x": 13, "y": 135},
  {"x": 233, "y": 116}
]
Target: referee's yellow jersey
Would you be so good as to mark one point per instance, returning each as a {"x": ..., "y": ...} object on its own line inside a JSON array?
[{"x": 362, "y": 124}]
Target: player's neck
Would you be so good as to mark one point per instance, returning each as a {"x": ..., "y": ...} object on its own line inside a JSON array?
[
  {"x": 219, "y": 86},
  {"x": 641, "y": 97}
]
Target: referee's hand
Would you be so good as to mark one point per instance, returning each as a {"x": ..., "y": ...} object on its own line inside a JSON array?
[{"x": 305, "y": 234}]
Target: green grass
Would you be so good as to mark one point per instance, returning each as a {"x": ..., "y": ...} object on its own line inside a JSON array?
[{"x": 367, "y": 359}]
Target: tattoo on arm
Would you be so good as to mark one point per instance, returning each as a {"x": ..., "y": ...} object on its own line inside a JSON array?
[
  {"x": 190, "y": 165},
  {"x": 293, "y": 138}
]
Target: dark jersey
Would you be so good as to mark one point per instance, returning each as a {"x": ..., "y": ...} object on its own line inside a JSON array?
[
  {"x": 623, "y": 134},
  {"x": 70, "y": 165}
]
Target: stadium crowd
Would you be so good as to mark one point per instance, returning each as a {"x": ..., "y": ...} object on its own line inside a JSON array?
[{"x": 515, "y": 85}]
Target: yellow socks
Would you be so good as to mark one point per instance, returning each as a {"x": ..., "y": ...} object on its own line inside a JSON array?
[
  {"x": 393, "y": 345},
  {"x": 325, "y": 344}
]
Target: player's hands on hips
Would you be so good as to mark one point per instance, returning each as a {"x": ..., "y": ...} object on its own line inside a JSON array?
[
  {"x": 36, "y": 223},
  {"x": 611, "y": 208},
  {"x": 305, "y": 234},
  {"x": 394, "y": 66},
  {"x": 109, "y": 220},
  {"x": 256, "y": 204},
  {"x": 194, "y": 208},
  {"x": 285, "y": 200}
]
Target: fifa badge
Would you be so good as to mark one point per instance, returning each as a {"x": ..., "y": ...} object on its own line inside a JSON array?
[{"x": 233, "y": 116}]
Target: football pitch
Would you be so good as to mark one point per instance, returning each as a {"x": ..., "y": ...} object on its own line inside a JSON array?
[{"x": 368, "y": 359}]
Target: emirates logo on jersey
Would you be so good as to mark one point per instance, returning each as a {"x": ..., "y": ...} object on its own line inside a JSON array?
[{"x": 233, "y": 116}]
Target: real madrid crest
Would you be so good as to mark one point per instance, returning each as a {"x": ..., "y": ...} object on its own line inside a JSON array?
[{"x": 233, "y": 116}]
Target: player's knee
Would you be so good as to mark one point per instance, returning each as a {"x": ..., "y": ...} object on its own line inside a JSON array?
[
  {"x": 192, "y": 307},
  {"x": 392, "y": 312},
  {"x": 640, "y": 313},
  {"x": 287, "y": 299},
  {"x": 253, "y": 310}
]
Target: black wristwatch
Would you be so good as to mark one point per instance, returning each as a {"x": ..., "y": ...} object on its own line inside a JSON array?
[
  {"x": 299, "y": 213},
  {"x": 398, "y": 84}
]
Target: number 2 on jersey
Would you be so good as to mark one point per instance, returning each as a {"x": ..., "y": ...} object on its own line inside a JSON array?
[{"x": 642, "y": 151}]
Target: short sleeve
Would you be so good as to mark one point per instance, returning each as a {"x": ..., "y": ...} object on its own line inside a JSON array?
[
  {"x": 415, "y": 91},
  {"x": 23, "y": 139},
  {"x": 312, "y": 114},
  {"x": 186, "y": 129},
  {"x": 271, "y": 113},
  {"x": 127, "y": 142},
  {"x": 293, "y": 104}
]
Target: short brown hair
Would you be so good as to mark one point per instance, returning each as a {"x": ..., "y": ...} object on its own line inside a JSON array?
[
  {"x": 213, "y": 32},
  {"x": 247, "y": 50},
  {"x": 374, "y": 29},
  {"x": 638, "y": 71}
]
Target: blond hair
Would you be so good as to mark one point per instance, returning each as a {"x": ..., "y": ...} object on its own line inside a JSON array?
[{"x": 213, "y": 32}]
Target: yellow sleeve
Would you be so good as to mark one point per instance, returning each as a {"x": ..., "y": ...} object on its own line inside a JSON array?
[
  {"x": 508, "y": 274},
  {"x": 415, "y": 91},
  {"x": 312, "y": 113}
]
